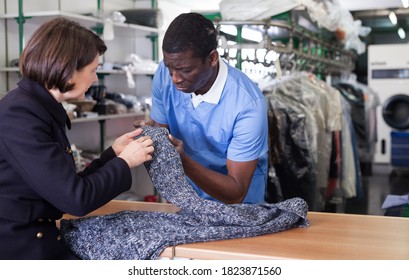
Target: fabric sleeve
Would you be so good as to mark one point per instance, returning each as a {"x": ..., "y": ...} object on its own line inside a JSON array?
[
  {"x": 250, "y": 139},
  {"x": 40, "y": 162},
  {"x": 106, "y": 156},
  {"x": 158, "y": 112}
]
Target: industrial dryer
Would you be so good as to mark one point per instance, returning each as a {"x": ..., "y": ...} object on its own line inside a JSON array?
[{"x": 388, "y": 75}]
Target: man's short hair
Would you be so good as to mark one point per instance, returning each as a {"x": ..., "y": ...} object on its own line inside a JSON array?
[{"x": 190, "y": 31}]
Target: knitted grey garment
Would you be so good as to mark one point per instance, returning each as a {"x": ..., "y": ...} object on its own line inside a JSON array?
[{"x": 144, "y": 235}]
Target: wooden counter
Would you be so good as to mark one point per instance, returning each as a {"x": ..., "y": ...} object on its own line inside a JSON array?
[{"x": 330, "y": 236}]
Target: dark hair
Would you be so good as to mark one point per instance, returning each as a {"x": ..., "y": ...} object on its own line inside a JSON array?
[
  {"x": 190, "y": 31},
  {"x": 56, "y": 50}
]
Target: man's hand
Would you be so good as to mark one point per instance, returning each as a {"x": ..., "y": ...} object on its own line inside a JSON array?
[
  {"x": 139, "y": 123},
  {"x": 177, "y": 143}
]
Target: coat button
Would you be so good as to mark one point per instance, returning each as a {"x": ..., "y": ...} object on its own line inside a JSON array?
[
  {"x": 40, "y": 220},
  {"x": 39, "y": 235},
  {"x": 58, "y": 237}
]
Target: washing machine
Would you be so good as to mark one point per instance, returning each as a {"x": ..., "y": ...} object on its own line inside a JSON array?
[{"x": 388, "y": 76}]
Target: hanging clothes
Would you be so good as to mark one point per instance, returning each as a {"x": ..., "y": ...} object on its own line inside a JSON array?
[
  {"x": 363, "y": 102},
  {"x": 307, "y": 113},
  {"x": 291, "y": 158},
  {"x": 351, "y": 183}
]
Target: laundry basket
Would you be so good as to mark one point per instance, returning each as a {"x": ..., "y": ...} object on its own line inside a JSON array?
[{"x": 400, "y": 148}]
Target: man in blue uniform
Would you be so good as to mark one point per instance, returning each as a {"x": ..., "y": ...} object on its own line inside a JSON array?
[{"x": 216, "y": 115}]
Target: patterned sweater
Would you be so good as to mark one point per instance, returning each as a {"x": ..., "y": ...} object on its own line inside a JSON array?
[{"x": 144, "y": 235}]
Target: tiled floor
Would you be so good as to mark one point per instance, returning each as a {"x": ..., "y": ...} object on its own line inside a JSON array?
[{"x": 383, "y": 181}]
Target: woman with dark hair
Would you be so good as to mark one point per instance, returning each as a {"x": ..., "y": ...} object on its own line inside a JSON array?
[
  {"x": 38, "y": 181},
  {"x": 217, "y": 117}
]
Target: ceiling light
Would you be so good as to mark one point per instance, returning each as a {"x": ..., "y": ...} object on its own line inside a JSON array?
[
  {"x": 405, "y": 3},
  {"x": 401, "y": 33},
  {"x": 393, "y": 18}
]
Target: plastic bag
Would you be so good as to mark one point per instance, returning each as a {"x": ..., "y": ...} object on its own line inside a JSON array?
[
  {"x": 330, "y": 15},
  {"x": 254, "y": 10}
]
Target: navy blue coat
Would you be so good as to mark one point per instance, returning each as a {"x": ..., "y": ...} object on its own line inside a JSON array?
[{"x": 38, "y": 179}]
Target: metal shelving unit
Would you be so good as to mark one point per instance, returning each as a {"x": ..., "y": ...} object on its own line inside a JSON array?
[
  {"x": 91, "y": 21},
  {"x": 37, "y": 17},
  {"x": 301, "y": 46}
]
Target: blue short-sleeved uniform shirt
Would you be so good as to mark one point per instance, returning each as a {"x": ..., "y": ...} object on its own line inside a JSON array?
[{"x": 230, "y": 123}]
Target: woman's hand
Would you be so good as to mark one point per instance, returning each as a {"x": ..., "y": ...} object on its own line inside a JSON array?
[
  {"x": 122, "y": 141},
  {"x": 138, "y": 151}
]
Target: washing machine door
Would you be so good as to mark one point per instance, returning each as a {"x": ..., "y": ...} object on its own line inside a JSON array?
[{"x": 395, "y": 111}]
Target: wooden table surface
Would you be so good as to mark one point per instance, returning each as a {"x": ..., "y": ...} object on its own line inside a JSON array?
[{"x": 330, "y": 236}]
